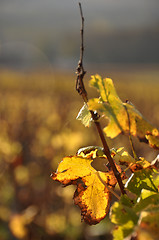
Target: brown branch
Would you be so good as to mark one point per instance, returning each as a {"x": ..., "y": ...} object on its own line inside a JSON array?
[
  {"x": 80, "y": 69},
  {"x": 81, "y": 90}
]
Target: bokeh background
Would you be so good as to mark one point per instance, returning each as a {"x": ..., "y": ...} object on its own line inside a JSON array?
[{"x": 39, "y": 52}]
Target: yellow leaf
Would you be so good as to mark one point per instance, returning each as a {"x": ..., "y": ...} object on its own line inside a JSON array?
[
  {"x": 72, "y": 168},
  {"x": 93, "y": 198},
  {"x": 153, "y": 140},
  {"x": 92, "y": 195},
  {"x": 122, "y": 157},
  {"x": 122, "y": 117}
]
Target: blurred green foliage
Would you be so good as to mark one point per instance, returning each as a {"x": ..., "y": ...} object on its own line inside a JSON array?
[{"x": 37, "y": 128}]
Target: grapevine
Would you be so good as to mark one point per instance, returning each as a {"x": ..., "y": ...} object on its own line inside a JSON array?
[{"x": 136, "y": 211}]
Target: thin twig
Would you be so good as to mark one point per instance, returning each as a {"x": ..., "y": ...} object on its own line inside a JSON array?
[
  {"x": 81, "y": 90},
  {"x": 80, "y": 69},
  {"x": 82, "y": 37}
]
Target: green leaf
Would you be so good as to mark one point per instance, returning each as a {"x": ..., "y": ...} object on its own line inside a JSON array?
[
  {"x": 118, "y": 234},
  {"x": 125, "y": 200},
  {"x": 156, "y": 181},
  {"x": 142, "y": 179},
  {"x": 120, "y": 214},
  {"x": 123, "y": 231},
  {"x": 125, "y": 218},
  {"x": 147, "y": 201},
  {"x": 123, "y": 117},
  {"x": 84, "y": 116}
]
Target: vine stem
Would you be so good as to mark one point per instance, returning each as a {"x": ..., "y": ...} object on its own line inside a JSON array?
[{"x": 82, "y": 91}]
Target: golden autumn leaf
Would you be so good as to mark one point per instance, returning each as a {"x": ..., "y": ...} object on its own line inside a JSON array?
[
  {"x": 123, "y": 158},
  {"x": 123, "y": 117},
  {"x": 120, "y": 156},
  {"x": 92, "y": 195},
  {"x": 153, "y": 140}
]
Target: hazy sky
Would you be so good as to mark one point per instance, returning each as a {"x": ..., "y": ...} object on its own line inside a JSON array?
[
  {"x": 117, "y": 13},
  {"x": 54, "y": 23}
]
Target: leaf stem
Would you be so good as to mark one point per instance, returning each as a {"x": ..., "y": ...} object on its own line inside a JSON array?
[{"x": 81, "y": 90}]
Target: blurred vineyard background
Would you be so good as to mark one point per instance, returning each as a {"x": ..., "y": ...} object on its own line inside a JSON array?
[
  {"x": 38, "y": 128},
  {"x": 39, "y": 52}
]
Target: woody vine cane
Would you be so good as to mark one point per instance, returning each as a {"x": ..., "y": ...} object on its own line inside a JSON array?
[{"x": 82, "y": 91}]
